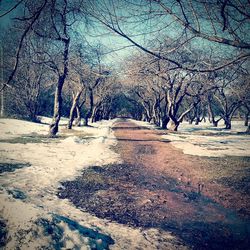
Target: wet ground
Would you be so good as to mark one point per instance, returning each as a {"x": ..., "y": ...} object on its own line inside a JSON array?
[
  {"x": 157, "y": 186},
  {"x": 11, "y": 167}
]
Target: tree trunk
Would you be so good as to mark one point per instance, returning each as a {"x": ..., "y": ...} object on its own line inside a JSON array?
[
  {"x": 227, "y": 121},
  {"x": 248, "y": 129},
  {"x": 33, "y": 117},
  {"x": 197, "y": 121},
  {"x": 246, "y": 119},
  {"x": 211, "y": 115},
  {"x": 93, "y": 116},
  {"x": 2, "y": 103},
  {"x": 53, "y": 128},
  {"x": 108, "y": 115},
  {"x": 215, "y": 123},
  {"x": 164, "y": 122},
  {"x": 191, "y": 119},
  {"x": 174, "y": 125},
  {"x": 78, "y": 116},
  {"x": 73, "y": 109},
  {"x": 228, "y": 117},
  {"x": 197, "y": 116},
  {"x": 2, "y": 86},
  {"x": 156, "y": 121},
  {"x": 86, "y": 121},
  {"x": 148, "y": 116},
  {"x": 89, "y": 113},
  {"x": 155, "y": 112}
]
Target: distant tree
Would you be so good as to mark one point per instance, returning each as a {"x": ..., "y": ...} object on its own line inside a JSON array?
[
  {"x": 213, "y": 109},
  {"x": 76, "y": 87},
  {"x": 227, "y": 95},
  {"x": 163, "y": 92}
]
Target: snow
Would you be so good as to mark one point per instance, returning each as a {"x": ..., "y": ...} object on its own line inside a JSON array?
[
  {"x": 51, "y": 162},
  {"x": 55, "y": 160},
  {"x": 206, "y": 140},
  {"x": 11, "y": 128}
]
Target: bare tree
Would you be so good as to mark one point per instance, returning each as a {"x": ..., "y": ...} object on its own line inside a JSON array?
[
  {"x": 60, "y": 17},
  {"x": 227, "y": 94},
  {"x": 211, "y": 106},
  {"x": 163, "y": 92},
  {"x": 35, "y": 11},
  {"x": 215, "y": 22}
]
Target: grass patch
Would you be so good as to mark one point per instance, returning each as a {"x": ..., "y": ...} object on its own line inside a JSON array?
[
  {"x": 75, "y": 132},
  {"x": 11, "y": 167},
  {"x": 37, "y": 138},
  {"x": 218, "y": 167},
  {"x": 27, "y": 139},
  {"x": 33, "y": 138},
  {"x": 231, "y": 171},
  {"x": 17, "y": 194}
]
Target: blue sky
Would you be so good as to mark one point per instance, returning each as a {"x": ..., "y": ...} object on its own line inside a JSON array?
[{"x": 120, "y": 46}]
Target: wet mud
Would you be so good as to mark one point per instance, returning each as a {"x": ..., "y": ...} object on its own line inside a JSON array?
[
  {"x": 158, "y": 187},
  {"x": 129, "y": 195}
]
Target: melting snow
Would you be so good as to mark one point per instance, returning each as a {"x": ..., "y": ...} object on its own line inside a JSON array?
[
  {"x": 32, "y": 222},
  {"x": 206, "y": 140}
]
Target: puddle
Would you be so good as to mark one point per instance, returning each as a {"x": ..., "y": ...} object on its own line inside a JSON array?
[{"x": 131, "y": 195}]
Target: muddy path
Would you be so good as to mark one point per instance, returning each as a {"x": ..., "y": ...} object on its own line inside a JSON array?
[{"x": 157, "y": 186}]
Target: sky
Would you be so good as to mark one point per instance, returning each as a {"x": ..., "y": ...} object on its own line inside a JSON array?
[
  {"x": 4, "y": 6},
  {"x": 118, "y": 48}
]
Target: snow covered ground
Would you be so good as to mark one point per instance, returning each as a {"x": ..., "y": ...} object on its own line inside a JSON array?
[
  {"x": 10, "y": 128},
  {"x": 35, "y": 217},
  {"x": 206, "y": 140}
]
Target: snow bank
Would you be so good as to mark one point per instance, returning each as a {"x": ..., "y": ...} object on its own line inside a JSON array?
[
  {"x": 206, "y": 140},
  {"x": 50, "y": 163},
  {"x": 206, "y": 127},
  {"x": 47, "y": 120},
  {"x": 11, "y": 128},
  {"x": 32, "y": 219},
  {"x": 214, "y": 146}
]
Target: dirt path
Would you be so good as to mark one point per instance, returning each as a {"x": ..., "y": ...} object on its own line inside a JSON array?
[{"x": 158, "y": 186}]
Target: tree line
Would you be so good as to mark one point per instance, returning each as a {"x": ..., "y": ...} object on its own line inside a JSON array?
[
  {"x": 190, "y": 61},
  {"x": 169, "y": 97},
  {"x": 50, "y": 68}
]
